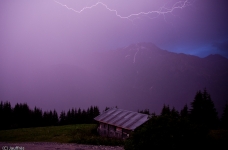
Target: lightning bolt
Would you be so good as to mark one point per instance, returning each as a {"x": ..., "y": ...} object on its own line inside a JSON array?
[
  {"x": 135, "y": 54},
  {"x": 162, "y": 11}
]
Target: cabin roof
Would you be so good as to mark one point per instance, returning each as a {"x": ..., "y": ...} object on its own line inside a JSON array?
[{"x": 122, "y": 118}]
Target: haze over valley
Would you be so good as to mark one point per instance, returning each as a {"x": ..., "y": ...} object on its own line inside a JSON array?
[{"x": 139, "y": 76}]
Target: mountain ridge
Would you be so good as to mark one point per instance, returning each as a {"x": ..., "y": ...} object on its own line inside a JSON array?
[{"x": 139, "y": 76}]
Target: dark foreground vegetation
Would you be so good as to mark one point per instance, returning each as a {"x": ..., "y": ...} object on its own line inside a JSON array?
[{"x": 197, "y": 127}]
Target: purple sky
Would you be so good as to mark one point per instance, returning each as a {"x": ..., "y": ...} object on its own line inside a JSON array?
[
  {"x": 39, "y": 33},
  {"x": 44, "y": 26}
]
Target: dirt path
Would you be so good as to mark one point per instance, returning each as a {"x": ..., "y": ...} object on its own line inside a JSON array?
[{"x": 54, "y": 146}]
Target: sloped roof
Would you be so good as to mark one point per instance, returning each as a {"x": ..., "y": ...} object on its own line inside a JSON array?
[{"x": 122, "y": 118}]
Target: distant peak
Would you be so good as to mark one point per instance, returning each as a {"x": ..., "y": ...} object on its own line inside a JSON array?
[
  {"x": 215, "y": 57},
  {"x": 143, "y": 45}
]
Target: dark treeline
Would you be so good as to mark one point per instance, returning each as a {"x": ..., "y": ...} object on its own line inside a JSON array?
[
  {"x": 21, "y": 116},
  {"x": 202, "y": 112},
  {"x": 78, "y": 116},
  {"x": 185, "y": 129}
]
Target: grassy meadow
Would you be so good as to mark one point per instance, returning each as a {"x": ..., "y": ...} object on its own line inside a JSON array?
[{"x": 78, "y": 133}]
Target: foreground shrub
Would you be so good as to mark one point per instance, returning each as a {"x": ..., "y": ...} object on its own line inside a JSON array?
[{"x": 167, "y": 132}]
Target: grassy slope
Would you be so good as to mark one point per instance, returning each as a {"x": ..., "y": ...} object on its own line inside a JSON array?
[{"x": 79, "y": 133}]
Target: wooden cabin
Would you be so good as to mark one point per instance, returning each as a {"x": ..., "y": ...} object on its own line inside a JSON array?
[{"x": 119, "y": 123}]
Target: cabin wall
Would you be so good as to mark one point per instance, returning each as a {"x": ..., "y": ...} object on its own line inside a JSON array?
[{"x": 112, "y": 131}]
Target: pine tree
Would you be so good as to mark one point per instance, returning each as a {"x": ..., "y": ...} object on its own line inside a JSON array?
[
  {"x": 84, "y": 117},
  {"x": 184, "y": 112},
  {"x": 165, "y": 110},
  {"x": 22, "y": 116},
  {"x": 1, "y": 114},
  {"x": 174, "y": 113},
  {"x": 62, "y": 119},
  {"x": 106, "y": 108},
  {"x": 45, "y": 119},
  {"x": 90, "y": 113},
  {"x": 72, "y": 116},
  {"x": 37, "y": 117},
  {"x": 26, "y": 118},
  {"x": 203, "y": 111},
  {"x": 224, "y": 119},
  {"x": 145, "y": 111},
  {"x": 68, "y": 117},
  {"x": 55, "y": 119},
  {"x": 6, "y": 115},
  {"x": 79, "y": 114},
  {"x": 96, "y": 111}
]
